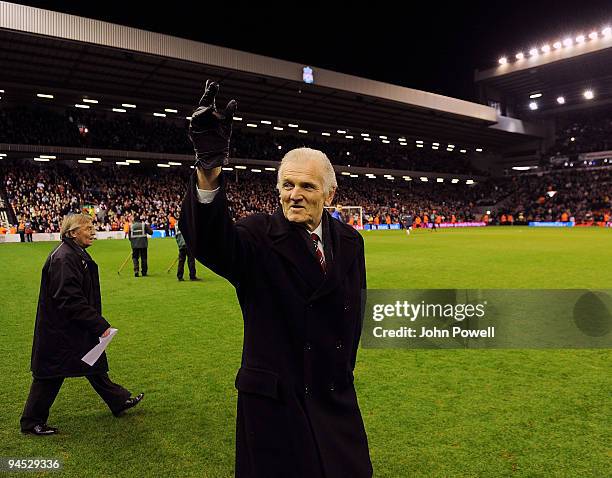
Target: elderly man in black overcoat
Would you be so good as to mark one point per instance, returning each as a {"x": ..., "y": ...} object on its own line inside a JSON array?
[
  {"x": 299, "y": 277},
  {"x": 69, "y": 322}
]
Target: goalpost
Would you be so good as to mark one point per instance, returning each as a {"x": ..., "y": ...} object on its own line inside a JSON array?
[{"x": 349, "y": 212}]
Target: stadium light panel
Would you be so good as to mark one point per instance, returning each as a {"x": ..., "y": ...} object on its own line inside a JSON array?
[
  {"x": 367, "y": 139},
  {"x": 265, "y": 122},
  {"x": 293, "y": 125},
  {"x": 94, "y": 159},
  {"x": 84, "y": 161},
  {"x": 386, "y": 141},
  {"x": 568, "y": 42},
  {"x": 348, "y": 153},
  {"x": 42, "y": 160},
  {"x": 135, "y": 161},
  {"x": 593, "y": 35},
  {"x": 435, "y": 147},
  {"x": 341, "y": 131},
  {"x": 535, "y": 95},
  {"x": 118, "y": 110},
  {"x": 479, "y": 150},
  {"x": 580, "y": 39},
  {"x": 227, "y": 168},
  {"x": 520, "y": 55},
  {"x": 173, "y": 163},
  {"x": 46, "y": 156},
  {"x": 439, "y": 180},
  {"x": 302, "y": 131},
  {"x": 588, "y": 94},
  {"x": 128, "y": 105},
  {"x": 348, "y": 136},
  {"x": 1, "y": 91},
  {"x": 365, "y": 135},
  {"x": 382, "y": 137},
  {"x": 237, "y": 118},
  {"x": 451, "y": 145},
  {"x": 420, "y": 145},
  {"x": 2, "y": 155},
  {"x": 403, "y": 144},
  {"x": 424, "y": 179},
  {"x": 163, "y": 165},
  {"x": 435, "y": 144},
  {"x": 534, "y": 52},
  {"x": 454, "y": 180},
  {"x": 251, "y": 125},
  {"x": 325, "y": 133},
  {"x": 85, "y": 107},
  {"x": 159, "y": 115},
  {"x": 345, "y": 173},
  {"x": 255, "y": 170},
  {"x": 469, "y": 181},
  {"x": 87, "y": 100},
  {"x": 279, "y": 147},
  {"x": 503, "y": 60},
  {"x": 545, "y": 48},
  {"x": 370, "y": 176},
  {"x": 533, "y": 106},
  {"x": 44, "y": 95},
  {"x": 419, "y": 141},
  {"x": 270, "y": 169},
  {"x": 188, "y": 118},
  {"x": 572, "y": 139},
  {"x": 561, "y": 100},
  {"x": 170, "y": 110},
  {"x": 557, "y": 45},
  {"x": 279, "y": 128},
  {"x": 123, "y": 163},
  {"x": 354, "y": 175},
  {"x": 606, "y": 32},
  {"x": 240, "y": 167}
]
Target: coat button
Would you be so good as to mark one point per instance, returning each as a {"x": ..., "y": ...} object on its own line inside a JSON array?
[
  {"x": 332, "y": 387},
  {"x": 307, "y": 346},
  {"x": 339, "y": 344},
  {"x": 306, "y": 390}
]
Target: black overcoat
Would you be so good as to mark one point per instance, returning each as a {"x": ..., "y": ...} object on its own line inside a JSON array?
[
  {"x": 298, "y": 414},
  {"x": 69, "y": 316}
]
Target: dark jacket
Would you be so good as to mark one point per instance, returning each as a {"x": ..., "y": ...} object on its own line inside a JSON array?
[
  {"x": 69, "y": 316},
  {"x": 297, "y": 409}
]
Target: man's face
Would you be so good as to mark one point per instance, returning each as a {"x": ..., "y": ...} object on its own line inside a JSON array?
[
  {"x": 302, "y": 194},
  {"x": 84, "y": 235}
]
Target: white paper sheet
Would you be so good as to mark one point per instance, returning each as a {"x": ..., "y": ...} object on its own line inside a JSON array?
[{"x": 93, "y": 355}]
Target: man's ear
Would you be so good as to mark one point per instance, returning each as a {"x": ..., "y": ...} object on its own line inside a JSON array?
[{"x": 330, "y": 197}]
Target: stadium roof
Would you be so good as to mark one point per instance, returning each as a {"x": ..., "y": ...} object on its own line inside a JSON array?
[
  {"x": 566, "y": 67},
  {"x": 71, "y": 56}
]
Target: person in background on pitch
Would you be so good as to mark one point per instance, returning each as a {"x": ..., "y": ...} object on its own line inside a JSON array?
[
  {"x": 140, "y": 243},
  {"x": 69, "y": 322},
  {"x": 184, "y": 253}
]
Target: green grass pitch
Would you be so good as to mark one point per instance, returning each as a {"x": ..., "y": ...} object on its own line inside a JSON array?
[{"x": 428, "y": 413}]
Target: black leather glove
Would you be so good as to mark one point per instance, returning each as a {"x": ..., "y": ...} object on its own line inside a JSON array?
[{"x": 210, "y": 130}]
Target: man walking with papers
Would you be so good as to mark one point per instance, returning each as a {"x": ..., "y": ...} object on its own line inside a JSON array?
[{"x": 69, "y": 324}]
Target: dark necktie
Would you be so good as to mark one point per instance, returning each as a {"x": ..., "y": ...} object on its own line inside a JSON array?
[{"x": 315, "y": 240}]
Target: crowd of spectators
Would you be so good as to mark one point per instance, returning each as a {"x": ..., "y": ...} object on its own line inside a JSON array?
[
  {"x": 78, "y": 128},
  {"x": 40, "y": 195},
  {"x": 583, "y": 133}
]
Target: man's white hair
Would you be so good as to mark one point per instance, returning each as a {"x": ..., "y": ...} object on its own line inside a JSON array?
[
  {"x": 306, "y": 154},
  {"x": 72, "y": 222}
]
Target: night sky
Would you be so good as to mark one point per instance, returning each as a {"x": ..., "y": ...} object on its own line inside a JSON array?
[{"x": 427, "y": 45}]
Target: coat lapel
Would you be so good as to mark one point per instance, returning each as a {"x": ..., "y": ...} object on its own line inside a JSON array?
[
  {"x": 341, "y": 248},
  {"x": 290, "y": 242}
]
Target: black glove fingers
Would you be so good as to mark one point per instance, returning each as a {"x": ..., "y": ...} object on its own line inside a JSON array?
[
  {"x": 230, "y": 109},
  {"x": 210, "y": 92}
]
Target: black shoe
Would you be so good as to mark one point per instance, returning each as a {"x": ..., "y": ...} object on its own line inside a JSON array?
[
  {"x": 129, "y": 403},
  {"x": 43, "y": 429},
  {"x": 195, "y": 278},
  {"x": 180, "y": 279},
  {"x": 136, "y": 274},
  {"x": 144, "y": 274}
]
